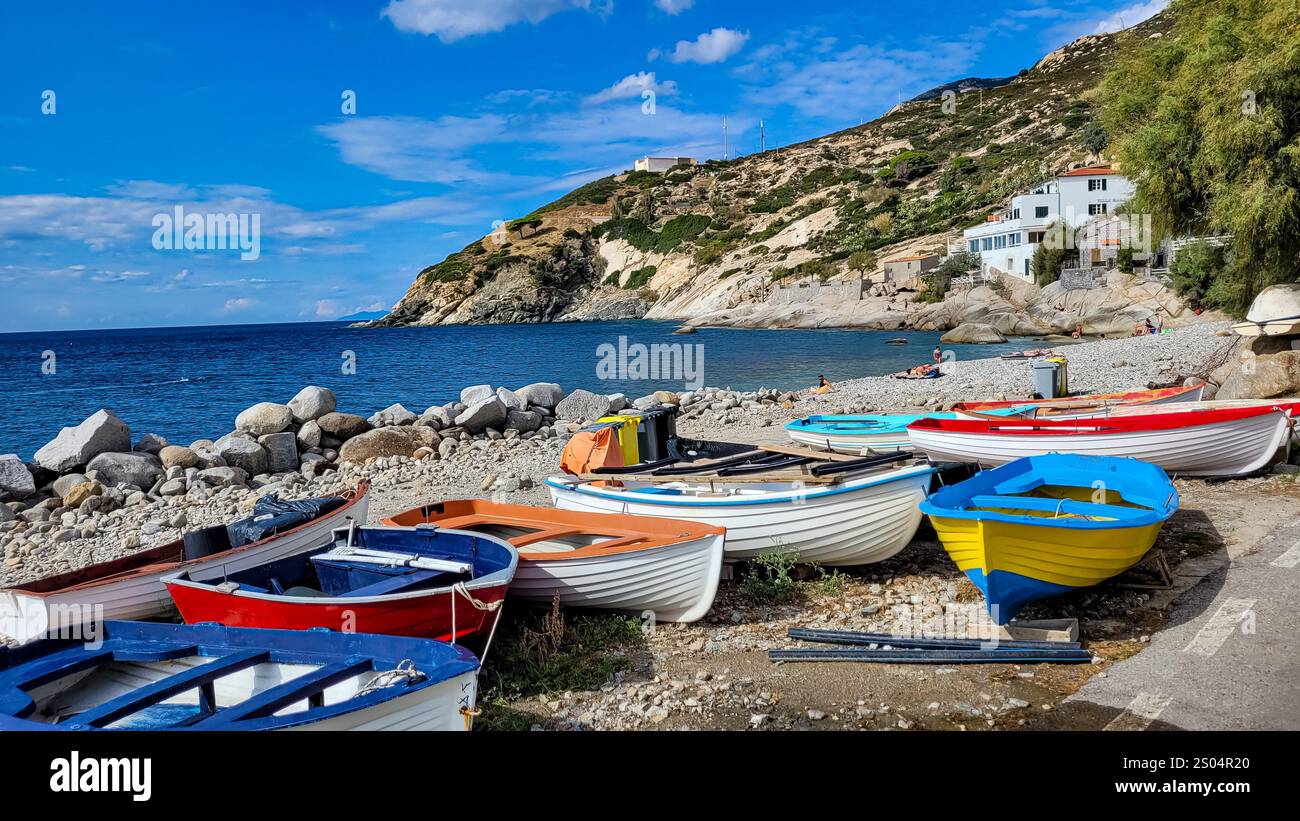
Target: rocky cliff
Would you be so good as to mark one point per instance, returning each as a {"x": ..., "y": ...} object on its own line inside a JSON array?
[{"x": 708, "y": 244}]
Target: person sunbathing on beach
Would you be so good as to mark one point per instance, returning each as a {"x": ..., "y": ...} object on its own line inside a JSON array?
[{"x": 823, "y": 386}]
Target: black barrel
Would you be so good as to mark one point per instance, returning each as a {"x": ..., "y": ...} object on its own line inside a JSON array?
[
  {"x": 656, "y": 428},
  {"x": 206, "y": 541}
]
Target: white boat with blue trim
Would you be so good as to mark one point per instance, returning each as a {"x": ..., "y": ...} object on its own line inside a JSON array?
[{"x": 841, "y": 513}]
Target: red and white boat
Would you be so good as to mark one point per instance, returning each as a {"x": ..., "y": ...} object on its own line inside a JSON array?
[
  {"x": 131, "y": 587},
  {"x": 1215, "y": 441},
  {"x": 426, "y": 582}
]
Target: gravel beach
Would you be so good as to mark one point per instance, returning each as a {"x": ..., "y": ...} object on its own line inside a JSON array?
[{"x": 714, "y": 673}]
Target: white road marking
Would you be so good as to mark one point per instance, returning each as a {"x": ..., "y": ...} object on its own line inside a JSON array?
[
  {"x": 1221, "y": 625},
  {"x": 1139, "y": 714},
  {"x": 1289, "y": 559}
]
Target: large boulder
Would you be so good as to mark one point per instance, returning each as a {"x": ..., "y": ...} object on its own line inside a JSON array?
[
  {"x": 583, "y": 405},
  {"x": 224, "y": 476},
  {"x": 139, "y": 469},
  {"x": 475, "y": 393},
  {"x": 342, "y": 426},
  {"x": 1263, "y": 377},
  {"x": 245, "y": 454},
  {"x": 438, "y": 416},
  {"x": 281, "y": 451},
  {"x": 486, "y": 413},
  {"x": 309, "y": 435},
  {"x": 977, "y": 333},
  {"x": 177, "y": 456},
  {"x": 395, "y": 440},
  {"x": 66, "y": 482},
  {"x": 311, "y": 403},
  {"x": 100, "y": 433},
  {"x": 511, "y": 400},
  {"x": 395, "y": 414},
  {"x": 541, "y": 394},
  {"x": 523, "y": 421},
  {"x": 78, "y": 494},
  {"x": 264, "y": 418},
  {"x": 16, "y": 481},
  {"x": 150, "y": 443}
]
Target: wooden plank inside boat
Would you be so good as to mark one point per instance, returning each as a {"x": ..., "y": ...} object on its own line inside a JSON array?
[{"x": 795, "y": 450}]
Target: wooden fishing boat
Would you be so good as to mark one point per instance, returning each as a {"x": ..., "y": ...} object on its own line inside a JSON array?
[
  {"x": 1090, "y": 404},
  {"x": 1193, "y": 442},
  {"x": 131, "y": 587},
  {"x": 1045, "y": 525},
  {"x": 150, "y": 676},
  {"x": 635, "y": 564},
  {"x": 827, "y": 509},
  {"x": 856, "y": 433},
  {"x": 422, "y": 581}
]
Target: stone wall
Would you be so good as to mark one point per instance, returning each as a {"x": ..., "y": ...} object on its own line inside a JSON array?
[
  {"x": 1076, "y": 278},
  {"x": 812, "y": 291}
]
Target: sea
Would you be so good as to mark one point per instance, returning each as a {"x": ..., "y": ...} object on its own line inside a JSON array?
[{"x": 190, "y": 383}]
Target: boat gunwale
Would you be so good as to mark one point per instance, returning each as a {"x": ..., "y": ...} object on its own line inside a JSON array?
[{"x": 1104, "y": 426}]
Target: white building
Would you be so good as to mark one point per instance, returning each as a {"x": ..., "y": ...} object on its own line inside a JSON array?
[
  {"x": 661, "y": 164},
  {"x": 1007, "y": 239}
]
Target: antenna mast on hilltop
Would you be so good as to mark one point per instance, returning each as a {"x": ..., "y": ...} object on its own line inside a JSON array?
[
  {"x": 762, "y": 137},
  {"x": 726, "y": 155}
]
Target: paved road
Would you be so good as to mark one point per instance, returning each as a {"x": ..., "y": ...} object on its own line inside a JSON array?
[{"x": 1230, "y": 659}]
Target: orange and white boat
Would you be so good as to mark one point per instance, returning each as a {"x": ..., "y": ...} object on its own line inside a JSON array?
[
  {"x": 1070, "y": 407},
  {"x": 661, "y": 569}
]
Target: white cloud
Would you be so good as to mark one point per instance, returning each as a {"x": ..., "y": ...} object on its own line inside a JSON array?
[
  {"x": 710, "y": 47},
  {"x": 674, "y": 6},
  {"x": 452, "y": 20},
  {"x": 327, "y": 309},
  {"x": 236, "y": 305},
  {"x": 847, "y": 83},
  {"x": 633, "y": 85},
  {"x": 183, "y": 275},
  {"x": 1130, "y": 16}
]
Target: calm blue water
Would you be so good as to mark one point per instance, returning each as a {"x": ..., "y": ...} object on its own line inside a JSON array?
[{"x": 190, "y": 383}]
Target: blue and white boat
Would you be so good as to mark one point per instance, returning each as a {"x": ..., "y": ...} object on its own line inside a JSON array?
[
  {"x": 856, "y": 433},
  {"x": 866, "y": 515},
  {"x": 149, "y": 676}
]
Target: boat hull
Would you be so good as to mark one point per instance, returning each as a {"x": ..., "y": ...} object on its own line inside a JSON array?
[
  {"x": 1014, "y": 564},
  {"x": 862, "y": 521},
  {"x": 427, "y": 615},
  {"x": 672, "y": 583},
  {"x": 1232, "y": 447},
  {"x": 143, "y": 595}
]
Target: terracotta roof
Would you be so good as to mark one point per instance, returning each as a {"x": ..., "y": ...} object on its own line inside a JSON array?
[{"x": 1096, "y": 171}]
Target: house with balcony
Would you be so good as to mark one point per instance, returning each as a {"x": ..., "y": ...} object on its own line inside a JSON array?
[{"x": 1006, "y": 240}]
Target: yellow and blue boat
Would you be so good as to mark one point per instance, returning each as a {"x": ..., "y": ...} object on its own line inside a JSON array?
[{"x": 1046, "y": 525}]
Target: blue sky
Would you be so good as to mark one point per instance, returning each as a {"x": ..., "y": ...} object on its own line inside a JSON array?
[{"x": 466, "y": 112}]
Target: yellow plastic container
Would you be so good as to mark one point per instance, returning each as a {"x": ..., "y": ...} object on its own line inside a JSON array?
[{"x": 627, "y": 428}]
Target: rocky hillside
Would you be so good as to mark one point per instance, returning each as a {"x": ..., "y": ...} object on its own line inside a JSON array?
[{"x": 707, "y": 244}]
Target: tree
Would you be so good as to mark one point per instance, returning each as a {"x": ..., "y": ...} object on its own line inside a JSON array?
[
  {"x": 1205, "y": 122},
  {"x": 1093, "y": 135},
  {"x": 1046, "y": 264},
  {"x": 862, "y": 261}
]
